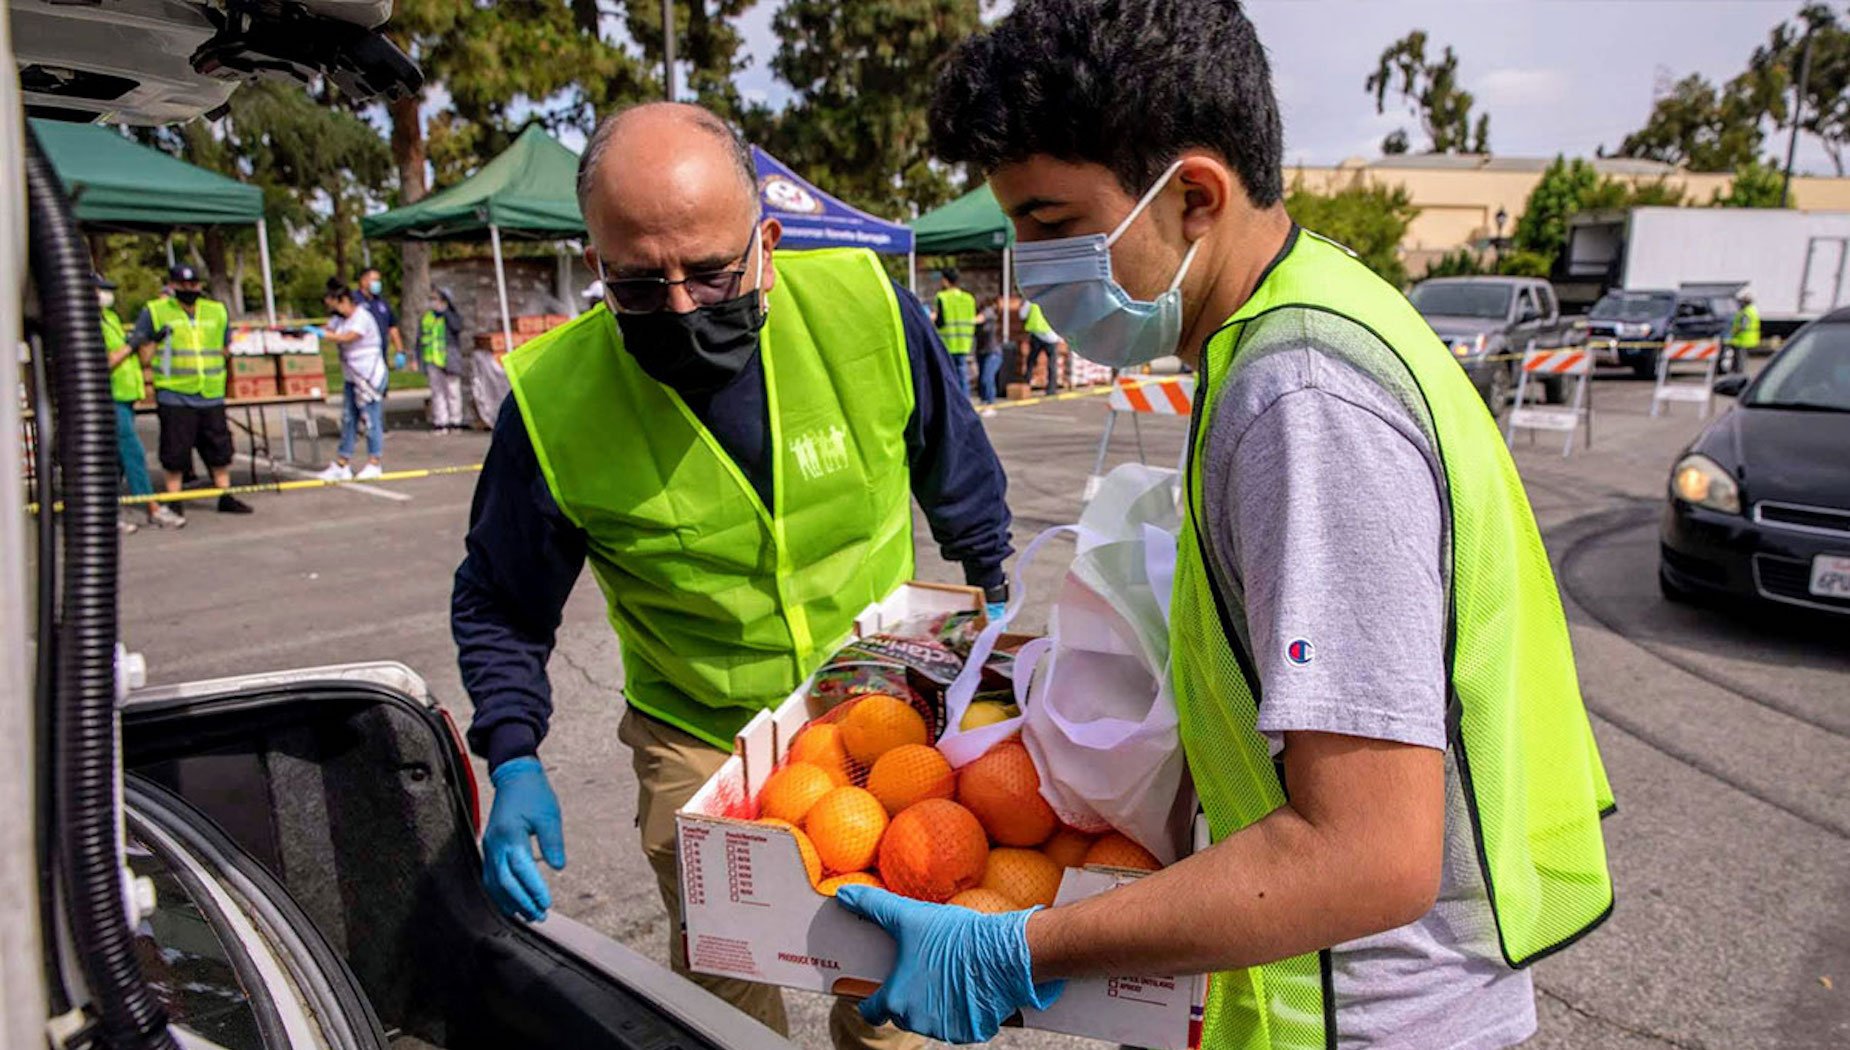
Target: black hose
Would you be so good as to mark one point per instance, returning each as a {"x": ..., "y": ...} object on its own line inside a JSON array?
[{"x": 129, "y": 1018}]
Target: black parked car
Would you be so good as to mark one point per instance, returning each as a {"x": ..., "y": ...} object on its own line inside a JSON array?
[
  {"x": 1760, "y": 502},
  {"x": 1629, "y": 327}
]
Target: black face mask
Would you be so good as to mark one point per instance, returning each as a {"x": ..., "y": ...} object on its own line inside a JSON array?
[
  {"x": 696, "y": 352},
  {"x": 189, "y": 296}
]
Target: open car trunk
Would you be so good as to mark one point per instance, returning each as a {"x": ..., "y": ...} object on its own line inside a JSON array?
[{"x": 356, "y": 799}]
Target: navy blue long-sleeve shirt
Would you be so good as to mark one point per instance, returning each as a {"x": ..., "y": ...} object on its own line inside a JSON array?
[{"x": 524, "y": 556}]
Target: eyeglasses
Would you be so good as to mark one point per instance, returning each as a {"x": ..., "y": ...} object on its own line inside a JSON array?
[{"x": 646, "y": 295}]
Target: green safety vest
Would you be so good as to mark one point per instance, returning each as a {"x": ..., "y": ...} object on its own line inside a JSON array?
[
  {"x": 1746, "y": 333},
  {"x": 125, "y": 383},
  {"x": 192, "y": 360},
  {"x": 957, "y": 320},
  {"x": 1036, "y": 322},
  {"x": 433, "y": 339},
  {"x": 723, "y": 606},
  {"x": 1534, "y": 785}
]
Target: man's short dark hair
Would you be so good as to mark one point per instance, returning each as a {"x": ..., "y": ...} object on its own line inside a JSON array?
[
  {"x": 1128, "y": 84},
  {"x": 949, "y": 274},
  {"x": 359, "y": 276}
]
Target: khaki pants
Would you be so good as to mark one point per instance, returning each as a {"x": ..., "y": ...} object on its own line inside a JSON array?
[{"x": 670, "y": 766}]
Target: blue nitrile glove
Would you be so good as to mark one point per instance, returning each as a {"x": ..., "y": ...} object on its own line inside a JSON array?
[
  {"x": 995, "y": 610},
  {"x": 398, "y": 361},
  {"x": 958, "y": 973},
  {"x": 315, "y": 330},
  {"x": 525, "y": 808}
]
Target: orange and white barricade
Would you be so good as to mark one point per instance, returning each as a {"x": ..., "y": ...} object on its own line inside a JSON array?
[
  {"x": 1686, "y": 353},
  {"x": 1537, "y": 365},
  {"x": 1140, "y": 396}
]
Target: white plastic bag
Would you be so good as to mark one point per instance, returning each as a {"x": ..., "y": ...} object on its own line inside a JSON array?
[{"x": 1099, "y": 718}]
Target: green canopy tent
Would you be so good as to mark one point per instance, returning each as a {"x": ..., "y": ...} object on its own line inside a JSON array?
[
  {"x": 972, "y": 223},
  {"x": 528, "y": 191},
  {"x": 116, "y": 183}
]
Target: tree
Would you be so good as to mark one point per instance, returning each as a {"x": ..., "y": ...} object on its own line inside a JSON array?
[
  {"x": 1563, "y": 188},
  {"x": 1773, "y": 72},
  {"x": 1703, "y": 128},
  {"x": 502, "y": 65},
  {"x": 1432, "y": 94},
  {"x": 707, "y": 42},
  {"x": 1755, "y": 185},
  {"x": 861, "y": 72},
  {"x": 1368, "y": 220}
]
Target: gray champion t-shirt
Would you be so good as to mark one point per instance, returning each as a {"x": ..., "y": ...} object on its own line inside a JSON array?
[{"x": 1322, "y": 499}]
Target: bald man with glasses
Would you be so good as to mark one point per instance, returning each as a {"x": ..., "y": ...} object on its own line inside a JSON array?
[{"x": 733, "y": 440}]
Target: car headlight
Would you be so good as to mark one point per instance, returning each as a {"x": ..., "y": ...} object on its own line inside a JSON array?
[
  {"x": 1633, "y": 331},
  {"x": 1466, "y": 347},
  {"x": 1700, "y": 480}
]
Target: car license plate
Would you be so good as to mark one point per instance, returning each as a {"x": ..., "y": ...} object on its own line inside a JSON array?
[{"x": 1830, "y": 576}]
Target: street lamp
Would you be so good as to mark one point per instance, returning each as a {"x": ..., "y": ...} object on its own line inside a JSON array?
[{"x": 1503, "y": 217}]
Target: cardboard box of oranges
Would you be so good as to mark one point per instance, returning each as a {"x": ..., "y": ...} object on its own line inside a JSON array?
[{"x": 812, "y": 800}]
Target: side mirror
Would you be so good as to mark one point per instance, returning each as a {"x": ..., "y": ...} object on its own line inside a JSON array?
[
  {"x": 1527, "y": 314},
  {"x": 1730, "y": 386}
]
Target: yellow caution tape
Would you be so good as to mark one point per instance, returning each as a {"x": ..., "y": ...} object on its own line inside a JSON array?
[{"x": 281, "y": 486}]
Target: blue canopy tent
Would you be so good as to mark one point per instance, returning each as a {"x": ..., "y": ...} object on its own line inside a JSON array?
[{"x": 813, "y": 219}]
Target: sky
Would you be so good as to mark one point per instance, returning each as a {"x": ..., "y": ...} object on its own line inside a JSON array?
[{"x": 1556, "y": 76}]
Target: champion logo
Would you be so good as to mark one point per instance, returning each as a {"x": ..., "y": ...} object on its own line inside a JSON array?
[{"x": 1300, "y": 651}]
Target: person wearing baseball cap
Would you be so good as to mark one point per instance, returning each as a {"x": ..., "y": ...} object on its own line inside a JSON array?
[{"x": 187, "y": 335}]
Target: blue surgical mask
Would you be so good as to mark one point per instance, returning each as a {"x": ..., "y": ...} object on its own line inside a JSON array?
[
  {"x": 1070, "y": 280},
  {"x": 375, "y": 286}
]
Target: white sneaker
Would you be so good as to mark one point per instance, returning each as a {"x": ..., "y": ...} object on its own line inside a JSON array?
[
  {"x": 336, "y": 472},
  {"x": 368, "y": 472},
  {"x": 988, "y": 412},
  {"x": 163, "y": 516}
]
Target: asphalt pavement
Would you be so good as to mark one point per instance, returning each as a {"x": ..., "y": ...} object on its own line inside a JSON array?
[{"x": 1726, "y": 735}]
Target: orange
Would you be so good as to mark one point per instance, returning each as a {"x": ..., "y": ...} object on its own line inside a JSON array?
[
  {"x": 853, "y": 878},
  {"x": 911, "y": 773},
  {"x": 820, "y": 745},
  {"x": 878, "y": 723},
  {"x": 1113, "y": 850},
  {"x": 792, "y": 790},
  {"x": 1068, "y": 848},
  {"x": 846, "y": 825},
  {"x": 983, "y": 900},
  {"x": 1004, "y": 792},
  {"x": 812, "y": 864},
  {"x": 933, "y": 851},
  {"x": 1022, "y": 875}
]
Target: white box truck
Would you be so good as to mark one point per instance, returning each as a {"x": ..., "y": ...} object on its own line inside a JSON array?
[{"x": 1796, "y": 263}]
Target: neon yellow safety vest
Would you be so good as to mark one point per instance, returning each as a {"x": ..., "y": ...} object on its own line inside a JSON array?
[
  {"x": 125, "y": 383},
  {"x": 433, "y": 339},
  {"x": 1746, "y": 333},
  {"x": 957, "y": 319},
  {"x": 192, "y": 360},
  {"x": 1036, "y": 322},
  {"x": 1534, "y": 785},
  {"x": 722, "y": 606}
]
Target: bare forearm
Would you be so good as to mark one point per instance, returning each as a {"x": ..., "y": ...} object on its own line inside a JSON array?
[
  {"x": 1357, "y": 851},
  {"x": 119, "y": 356}
]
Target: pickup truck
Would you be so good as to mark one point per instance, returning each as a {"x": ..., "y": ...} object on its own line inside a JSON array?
[
  {"x": 1489, "y": 321},
  {"x": 1629, "y": 327}
]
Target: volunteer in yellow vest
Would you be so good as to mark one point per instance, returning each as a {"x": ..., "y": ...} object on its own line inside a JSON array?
[
  {"x": 1744, "y": 333},
  {"x": 1042, "y": 340},
  {"x": 126, "y": 387},
  {"x": 733, "y": 441},
  {"x": 440, "y": 348},
  {"x": 186, "y": 334},
  {"x": 954, "y": 314},
  {"x": 1371, "y": 667}
]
